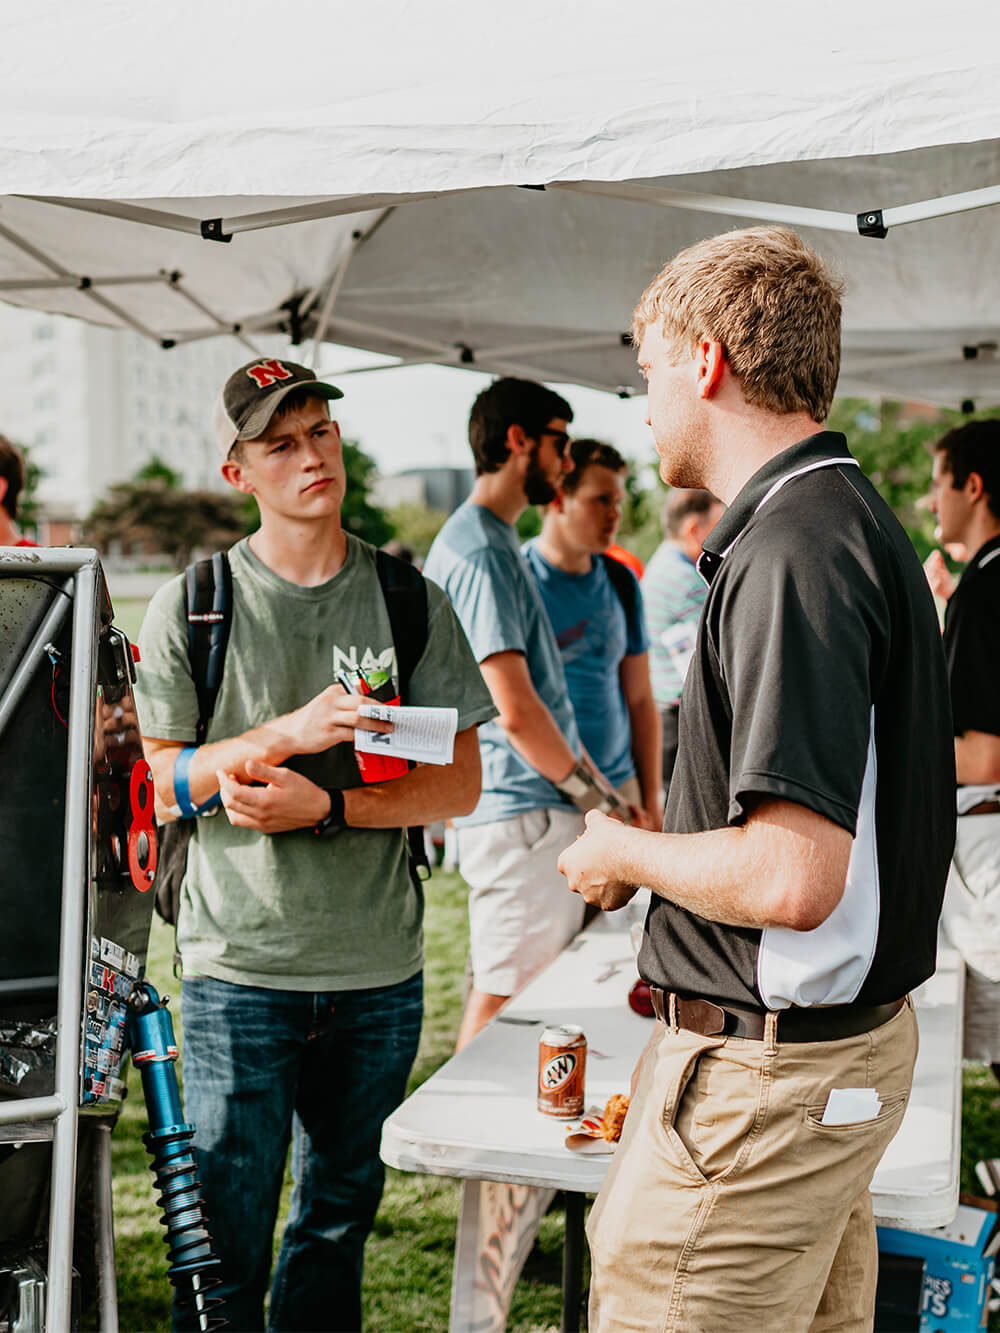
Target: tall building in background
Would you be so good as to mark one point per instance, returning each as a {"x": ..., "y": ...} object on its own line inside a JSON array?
[{"x": 94, "y": 405}]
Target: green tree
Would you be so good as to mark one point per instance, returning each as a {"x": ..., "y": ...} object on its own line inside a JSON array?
[
  {"x": 644, "y": 495},
  {"x": 157, "y": 470},
  {"x": 158, "y": 518},
  {"x": 529, "y": 524},
  {"x": 27, "y": 504},
  {"x": 894, "y": 450},
  {"x": 417, "y": 525},
  {"x": 357, "y": 514}
]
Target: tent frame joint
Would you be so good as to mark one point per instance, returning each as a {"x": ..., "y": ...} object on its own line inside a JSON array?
[
  {"x": 871, "y": 223},
  {"x": 213, "y": 230}
]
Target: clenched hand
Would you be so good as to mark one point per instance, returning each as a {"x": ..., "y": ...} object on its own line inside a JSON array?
[
  {"x": 592, "y": 863},
  {"x": 286, "y": 801}
]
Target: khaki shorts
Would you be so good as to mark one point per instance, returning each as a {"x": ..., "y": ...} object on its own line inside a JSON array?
[
  {"x": 728, "y": 1204},
  {"x": 521, "y": 910}
]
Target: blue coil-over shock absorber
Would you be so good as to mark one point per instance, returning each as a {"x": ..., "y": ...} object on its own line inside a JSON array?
[{"x": 154, "y": 1053}]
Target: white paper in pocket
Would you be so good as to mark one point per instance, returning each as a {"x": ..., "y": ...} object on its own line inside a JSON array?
[{"x": 850, "y": 1106}]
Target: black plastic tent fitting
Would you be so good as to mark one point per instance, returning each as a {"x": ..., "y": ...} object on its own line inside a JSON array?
[
  {"x": 871, "y": 223},
  {"x": 211, "y": 230}
]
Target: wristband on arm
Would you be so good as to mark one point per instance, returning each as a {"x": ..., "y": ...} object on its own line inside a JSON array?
[
  {"x": 331, "y": 824},
  {"x": 182, "y": 791},
  {"x": 582, "y": 787}
]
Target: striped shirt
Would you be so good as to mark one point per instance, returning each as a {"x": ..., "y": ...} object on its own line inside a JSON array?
[{"x": 673, "y": 593}]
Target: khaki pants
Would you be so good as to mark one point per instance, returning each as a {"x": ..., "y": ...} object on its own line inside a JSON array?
[{"x": 728, "y": 1207}]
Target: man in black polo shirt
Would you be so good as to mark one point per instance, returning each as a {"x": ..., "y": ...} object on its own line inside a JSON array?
[
  {"x": 965, "y": 498},
  {"x": 798, "y": 883}
]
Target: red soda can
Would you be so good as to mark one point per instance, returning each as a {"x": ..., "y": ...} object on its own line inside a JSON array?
[
  {"x": 379, "y": 767},
  {"x": 562, "y": 1071}
]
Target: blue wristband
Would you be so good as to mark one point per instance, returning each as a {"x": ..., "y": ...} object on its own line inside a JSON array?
[{"x": 182, "y": 792}]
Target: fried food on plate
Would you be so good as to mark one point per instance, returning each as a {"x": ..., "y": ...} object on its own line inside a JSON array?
[{"x": 614, "y": 1117}]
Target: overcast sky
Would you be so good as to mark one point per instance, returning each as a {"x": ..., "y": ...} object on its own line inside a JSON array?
[{"x": 417, "y": 416}]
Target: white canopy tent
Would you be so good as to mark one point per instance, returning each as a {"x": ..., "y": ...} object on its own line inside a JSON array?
[{"x": 371, "y": 176}]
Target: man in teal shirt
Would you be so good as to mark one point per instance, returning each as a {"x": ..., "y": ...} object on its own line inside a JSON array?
[{"x": 536, "y": 778}]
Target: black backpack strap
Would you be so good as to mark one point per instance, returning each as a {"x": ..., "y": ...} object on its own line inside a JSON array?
[
  {"x": 405, "y": 594},
  {"x": 208, "y": 589},
  {"x": 620, "y": 578}
]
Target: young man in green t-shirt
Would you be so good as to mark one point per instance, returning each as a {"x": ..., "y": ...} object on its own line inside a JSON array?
[{"x": 299, "y": 923}]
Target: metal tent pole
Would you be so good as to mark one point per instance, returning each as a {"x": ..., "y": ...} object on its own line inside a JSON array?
[
  {"x": 224, "y": 229},
  {"x": 47, "y": 262}
]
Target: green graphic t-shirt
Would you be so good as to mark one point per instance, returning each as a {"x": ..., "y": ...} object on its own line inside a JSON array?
[{"x": 291, "y": 911}]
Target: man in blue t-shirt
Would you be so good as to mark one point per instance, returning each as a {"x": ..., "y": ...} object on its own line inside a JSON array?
[
  {"x": 537, "y": 778},
  {"x": 597, "y": 615}
]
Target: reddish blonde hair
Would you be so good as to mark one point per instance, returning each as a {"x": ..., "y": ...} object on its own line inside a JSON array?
[{"x": 772, "y": 303}]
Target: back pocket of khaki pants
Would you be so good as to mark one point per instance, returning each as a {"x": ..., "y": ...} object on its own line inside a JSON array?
[{"x": 892, "y": 1108}]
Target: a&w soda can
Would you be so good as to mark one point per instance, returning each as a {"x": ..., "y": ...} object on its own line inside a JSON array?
[{"x": 562, "y": 1069}]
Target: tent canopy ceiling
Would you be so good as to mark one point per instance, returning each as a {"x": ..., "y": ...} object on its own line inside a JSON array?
[{"x": 647, "y": 131}]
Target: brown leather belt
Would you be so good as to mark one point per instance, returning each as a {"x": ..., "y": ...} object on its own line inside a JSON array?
[
  {"x": 820, "y": 1023},
  {"x": 984, "y": 808}
]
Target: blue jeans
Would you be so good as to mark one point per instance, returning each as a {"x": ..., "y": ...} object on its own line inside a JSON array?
[{"x": 324, "y": 1070}]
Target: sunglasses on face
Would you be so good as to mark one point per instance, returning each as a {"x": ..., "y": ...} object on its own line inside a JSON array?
[{"x": 559, "y": 438}]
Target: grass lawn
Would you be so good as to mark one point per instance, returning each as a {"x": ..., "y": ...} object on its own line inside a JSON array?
[
  {"x": 129, "y": 612},
  {"x": 409, "y": 1257}
]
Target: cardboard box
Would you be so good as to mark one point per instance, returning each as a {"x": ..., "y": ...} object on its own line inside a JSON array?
[{"x": 959, "y": 1260}]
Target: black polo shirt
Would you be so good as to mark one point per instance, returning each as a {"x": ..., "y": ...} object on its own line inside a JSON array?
[
  {"x": 972, "y": 643},
  {"x": 818, "y": 677}
]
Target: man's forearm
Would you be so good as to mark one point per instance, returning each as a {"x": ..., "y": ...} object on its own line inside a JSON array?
[
  {"x": 785, "y": 867},
  {"x": 647, "y": 744},
  {"x": 422, "y": 796},
  {"x": 537, "y": 739},
  {"x": 328, "y": 719},
  {"x": 269, "y": 744},
  {"x": 706, "y": 873}
]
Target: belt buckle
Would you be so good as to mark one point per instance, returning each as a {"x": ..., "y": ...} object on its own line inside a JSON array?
[{"x": 702, "y": 1016}]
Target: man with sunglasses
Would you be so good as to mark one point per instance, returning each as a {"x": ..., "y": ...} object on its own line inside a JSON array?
[{"x": 536, "y": 776}]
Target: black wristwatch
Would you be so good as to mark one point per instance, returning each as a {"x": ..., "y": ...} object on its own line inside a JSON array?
[{"x": 334, "y": 821}]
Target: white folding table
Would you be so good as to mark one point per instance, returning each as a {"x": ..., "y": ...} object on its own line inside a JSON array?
[{"x": 476, "y": 1119}]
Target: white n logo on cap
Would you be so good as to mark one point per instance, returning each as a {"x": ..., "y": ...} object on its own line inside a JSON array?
[{"x": 266, "y": 373}]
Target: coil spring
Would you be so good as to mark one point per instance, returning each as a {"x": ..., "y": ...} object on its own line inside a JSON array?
[{"x": 189, "y": 1243}]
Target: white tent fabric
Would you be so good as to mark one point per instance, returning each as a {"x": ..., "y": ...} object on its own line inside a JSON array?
[{"x": 123, "y": 130}]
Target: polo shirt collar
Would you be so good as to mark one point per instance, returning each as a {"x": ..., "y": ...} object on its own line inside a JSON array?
[
  {"x": 824, "y": 445},
  {"x": 987, "y": 553}
]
